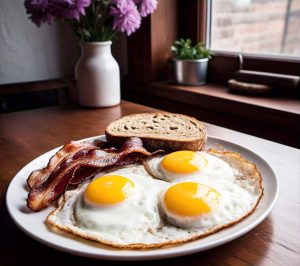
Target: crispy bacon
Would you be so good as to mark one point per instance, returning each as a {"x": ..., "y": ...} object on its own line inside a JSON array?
[
  {"x": 38, "y": 177},
  {"x": 74, "y": 163}
]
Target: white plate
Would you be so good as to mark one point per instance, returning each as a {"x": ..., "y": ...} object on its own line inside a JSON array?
[{"x": 33, "y": 223}]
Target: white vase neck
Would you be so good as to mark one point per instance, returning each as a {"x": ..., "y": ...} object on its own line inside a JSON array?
[{"x": 89, "y": 48}]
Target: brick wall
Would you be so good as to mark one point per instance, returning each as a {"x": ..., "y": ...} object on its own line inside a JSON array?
[{"x": 256, "y": 26}]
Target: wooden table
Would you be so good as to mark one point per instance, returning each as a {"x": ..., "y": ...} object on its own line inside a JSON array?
[{"x": 25, "y": 135}]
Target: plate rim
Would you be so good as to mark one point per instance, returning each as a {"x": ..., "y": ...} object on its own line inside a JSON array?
[{"x": 168, "y": 253}]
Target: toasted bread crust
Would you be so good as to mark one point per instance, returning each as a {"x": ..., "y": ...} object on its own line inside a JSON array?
[{"x": 160, "y": 130}]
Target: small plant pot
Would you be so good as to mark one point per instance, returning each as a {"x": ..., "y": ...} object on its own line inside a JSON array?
[{"x": 190, "y": 72}]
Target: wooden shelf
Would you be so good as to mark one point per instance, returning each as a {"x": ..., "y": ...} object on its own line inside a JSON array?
[
  {"x": 272, "y": 117},
  {"x": 280, "y": 103},
  {"x": 38, "y": 94}
]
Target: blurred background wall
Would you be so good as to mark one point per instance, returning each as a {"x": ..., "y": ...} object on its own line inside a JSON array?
[{"x": 29, "y": 53}]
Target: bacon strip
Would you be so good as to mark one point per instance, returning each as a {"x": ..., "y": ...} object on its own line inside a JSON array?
[
  {"x": 38, "y": 177},
  {"x": 73, "y": 164}
]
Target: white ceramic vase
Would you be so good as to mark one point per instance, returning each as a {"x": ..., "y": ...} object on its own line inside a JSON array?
[{"x": 97, "y": 76}]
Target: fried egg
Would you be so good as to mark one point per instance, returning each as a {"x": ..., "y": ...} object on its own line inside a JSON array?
[
  {"x": 204, "y": 203},
  {"x": 128, "y": 208},
  {"x": 182, "y": 164},
  {"x": 114, "y": 206}
]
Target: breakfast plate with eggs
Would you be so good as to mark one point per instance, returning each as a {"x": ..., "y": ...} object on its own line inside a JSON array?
[{"x": 170, "y": 205}]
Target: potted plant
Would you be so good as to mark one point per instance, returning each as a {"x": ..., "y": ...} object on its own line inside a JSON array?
[
  {"x": 190, "y": 62},
  {"x": 95, "y": 22}
]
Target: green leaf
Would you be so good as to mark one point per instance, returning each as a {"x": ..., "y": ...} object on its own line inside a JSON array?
[
  {"x": 183, "y": 49},
  {"x": 86, "y": 33}
]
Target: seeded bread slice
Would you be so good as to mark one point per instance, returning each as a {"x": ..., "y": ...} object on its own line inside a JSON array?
[{"x": 166, "y": 131}]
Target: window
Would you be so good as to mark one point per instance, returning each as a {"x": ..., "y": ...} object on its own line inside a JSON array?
[
  {"x": 256, "y": 26},
  {"x": 150, "y": 71},
  {"x": 228, "y": 27}
]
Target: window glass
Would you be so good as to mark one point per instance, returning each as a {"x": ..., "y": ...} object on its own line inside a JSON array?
[{"x": 258, "y": 26}]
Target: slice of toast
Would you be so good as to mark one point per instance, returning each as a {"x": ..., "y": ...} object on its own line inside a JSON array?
[{"x": 167, "y": 131}]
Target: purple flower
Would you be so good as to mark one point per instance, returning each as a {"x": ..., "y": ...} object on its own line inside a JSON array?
[
  {"x": 126, "y": 16},
  {"x": 109, "y": 15},
  {"x": 69, "y": 9},
  {"x": 146, "y": 7},
  {"x": 39, "y": 11},
  {"x": 47, "y": 10}
]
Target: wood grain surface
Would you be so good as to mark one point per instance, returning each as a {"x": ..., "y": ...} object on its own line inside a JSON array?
[
  {"x": 26, "y": 135},
  {"x": 266, "y": 117}
]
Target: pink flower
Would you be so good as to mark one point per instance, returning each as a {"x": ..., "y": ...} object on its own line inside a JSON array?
[
  {"x": 126, "y": 16},
  {"x": 146, "y": 7}
]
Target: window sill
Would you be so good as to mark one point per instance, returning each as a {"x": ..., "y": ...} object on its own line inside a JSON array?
[{"x": 271, "y": 117}]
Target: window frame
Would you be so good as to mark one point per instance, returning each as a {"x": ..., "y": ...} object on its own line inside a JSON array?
[
  {"x": 190, "y": 19},
  {"x": 207, "y": 7},
  {"x": 149, "y": 78},
  {"x": 228, "y": 61}
]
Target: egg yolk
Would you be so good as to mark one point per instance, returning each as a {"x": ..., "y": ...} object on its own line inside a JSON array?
[
  {"x": 189, "y": 199},
  {"x": 183, "y": 162},
  {"x": 109, "y": 189}
]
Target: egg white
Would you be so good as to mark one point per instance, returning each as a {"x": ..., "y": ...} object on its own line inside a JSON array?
[
  {"x": 233, "y": 202},
  {"x": 137, "y": 212},
  {"x": 151, "y": 225},
  {"x": 135, "y": 216},
  {"x": 215, "y": 168}
]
